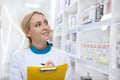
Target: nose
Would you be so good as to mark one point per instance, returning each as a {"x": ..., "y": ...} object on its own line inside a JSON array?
[{"x": 44, "y": 26}]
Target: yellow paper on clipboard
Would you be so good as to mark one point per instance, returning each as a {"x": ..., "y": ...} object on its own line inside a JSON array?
[{"x": 47, "y": 72}]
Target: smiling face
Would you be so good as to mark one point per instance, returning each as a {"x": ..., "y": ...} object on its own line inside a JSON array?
[{"x": 39, "y": 29}]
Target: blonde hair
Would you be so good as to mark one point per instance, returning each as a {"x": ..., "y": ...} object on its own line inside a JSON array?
[{"x": 25, "y": 23}]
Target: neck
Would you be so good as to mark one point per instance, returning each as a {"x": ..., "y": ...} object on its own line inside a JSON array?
[{"x": 41, "y": 45}]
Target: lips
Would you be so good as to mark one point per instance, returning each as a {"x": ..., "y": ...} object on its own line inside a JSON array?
[{"x": 45, "y": 33}]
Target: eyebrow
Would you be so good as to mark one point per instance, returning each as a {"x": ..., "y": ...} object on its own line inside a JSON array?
[
  {"x": 40, "y": 21},
  {"x": 45, "y": 20}
]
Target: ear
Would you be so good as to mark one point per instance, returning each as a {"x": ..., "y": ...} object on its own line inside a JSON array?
[{"x": 28, "y": 34}]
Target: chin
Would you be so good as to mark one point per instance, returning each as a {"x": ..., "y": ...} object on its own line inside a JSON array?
[{"x": 46, "y": 38}]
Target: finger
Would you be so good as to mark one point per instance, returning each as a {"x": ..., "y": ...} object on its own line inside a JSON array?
[{"x": 50, "y": 63}]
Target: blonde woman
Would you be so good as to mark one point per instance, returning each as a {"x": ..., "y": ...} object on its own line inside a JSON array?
[{"x": 37, "y": 30}]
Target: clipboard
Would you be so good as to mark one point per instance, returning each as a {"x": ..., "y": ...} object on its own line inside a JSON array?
[{"x": 47, "y": 72}]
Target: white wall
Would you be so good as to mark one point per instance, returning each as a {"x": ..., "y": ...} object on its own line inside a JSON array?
[{"x": 11, "y": 36}]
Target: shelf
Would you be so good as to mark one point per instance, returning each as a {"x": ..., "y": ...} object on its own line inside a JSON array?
[
  {"x": 91, "y": 27},
  {"x": 95, "y": 66},
  {"x": 95, "y": 25},
  {"x": 0, "y": 22},
  {"x": 116, "y": 21},
  {"x": 58, "y": 35},
  {"x": 73, "y": 30},
  {"x": 72, "y": 9},
  {"x": 0, "y": 18},
  {"x": 60, "y": 14},
  {"x": 115, "y": 72},
  {"x": 72, "y": 57},
  {"x": 70, "y": 31}
]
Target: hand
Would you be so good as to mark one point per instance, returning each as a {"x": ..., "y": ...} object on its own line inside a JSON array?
[{"x": 49, "y": 63}]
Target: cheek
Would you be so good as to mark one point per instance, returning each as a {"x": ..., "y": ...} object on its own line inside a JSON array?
[
  {"x": 32, "y": 33},
  {"x": 49, "y": 28}
]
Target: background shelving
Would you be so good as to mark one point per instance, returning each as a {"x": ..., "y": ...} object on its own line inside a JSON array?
[
  {"x": 88, "y": 26},
  {"x": 95, "y": 66},
  {"x": 102, "y": 24},
  {"x": 92, "y": 36}
]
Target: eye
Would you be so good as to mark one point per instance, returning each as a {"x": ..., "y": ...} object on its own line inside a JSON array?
[
  {"x": 38, "y": 25},
  {"x": 46, "y": 22}
]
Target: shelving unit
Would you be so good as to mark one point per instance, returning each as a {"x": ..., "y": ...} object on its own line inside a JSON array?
[
  {"x": 88, "y": 26},
  {"x": 102, "y": 24},
  {"x": 0, "y": 43},
  {"x": 95, "y": 66},
  {"x": 0, "y": 16}
]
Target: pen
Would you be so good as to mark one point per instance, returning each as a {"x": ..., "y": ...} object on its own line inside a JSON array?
[{"x": 42, "y": 64}]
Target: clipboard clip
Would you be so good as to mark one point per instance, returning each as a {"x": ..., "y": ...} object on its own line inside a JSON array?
[{"x": 47, "y": 69}]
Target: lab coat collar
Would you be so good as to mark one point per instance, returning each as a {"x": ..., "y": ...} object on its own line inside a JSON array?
[{"x": 38, "y": 51}]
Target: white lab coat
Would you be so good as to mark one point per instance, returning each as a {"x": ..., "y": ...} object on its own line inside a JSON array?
[{"x": 24, "y": 58}]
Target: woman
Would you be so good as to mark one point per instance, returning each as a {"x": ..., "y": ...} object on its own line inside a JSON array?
[{"x": 37, "y": 30}]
